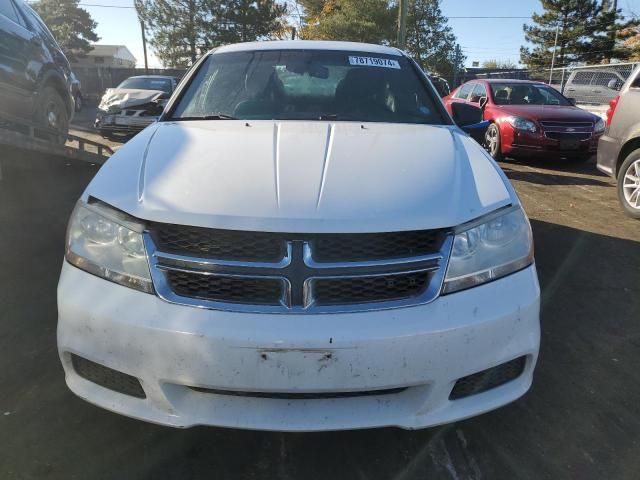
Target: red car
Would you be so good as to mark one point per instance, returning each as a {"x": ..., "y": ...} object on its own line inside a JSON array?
[{"x": 530, "y": 119}]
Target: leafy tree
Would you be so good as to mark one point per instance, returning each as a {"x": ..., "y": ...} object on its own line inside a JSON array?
[
  {"x": 181, "y": 30},
  {"x": 504, "y": 64},
  {"x": 430, "y": 41},
  {"x": 371, "y": 21},
  {"x": 72, "y": 26},
  {"x": 586, "y": 33}
]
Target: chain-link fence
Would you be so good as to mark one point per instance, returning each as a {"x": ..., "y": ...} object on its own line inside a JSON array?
[{"x": 592, "y": 86}]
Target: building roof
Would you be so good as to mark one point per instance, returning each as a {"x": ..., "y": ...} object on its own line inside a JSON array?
[
  {"x": 309, "y": 45},
  {"x": 117, "y": 51}
]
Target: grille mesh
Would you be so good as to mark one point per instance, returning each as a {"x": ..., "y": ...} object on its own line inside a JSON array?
[
  {"x": 487, "y": 379},
  {"x": 221, "y": 244},
  {"x": 107, "y": 377},
  {"x": 259, "y": 291},
  {"x": 336, "y": 291},
  {"x": 375, "y": 246},
  {"x": 567, "y": 136}
]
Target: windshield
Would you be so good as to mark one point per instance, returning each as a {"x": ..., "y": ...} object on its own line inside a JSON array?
[
  {"x": 526, "y": 94},
  {"x": 308, "y": 85},
  {"x": 147, "y": 83}
]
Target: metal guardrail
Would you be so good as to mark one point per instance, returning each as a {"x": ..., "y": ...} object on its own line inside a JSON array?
[{"x": 20, "y": 133}]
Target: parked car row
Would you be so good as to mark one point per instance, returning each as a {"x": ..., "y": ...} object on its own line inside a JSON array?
[{"x": 532, "y": 119}]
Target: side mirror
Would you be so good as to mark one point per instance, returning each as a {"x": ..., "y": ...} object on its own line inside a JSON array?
[
  {"x": 572, "y": 101},
  {"x": 464, "y": 114},
  {"x": 483, "y": 102},
  {"x": 613, "y": 84}
]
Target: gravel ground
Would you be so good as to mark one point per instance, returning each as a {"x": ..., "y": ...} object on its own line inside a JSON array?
[{"x": 580, "y": 420}]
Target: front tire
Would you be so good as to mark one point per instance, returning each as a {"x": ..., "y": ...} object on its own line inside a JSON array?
[
  {"x": 629, "y": 184},
  {"x": 492, "y": 142},
  {"x": 52, "y": 114}
]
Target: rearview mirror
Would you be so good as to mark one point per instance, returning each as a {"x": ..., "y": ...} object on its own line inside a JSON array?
[
  {"x": 613, "y": 84},
  {"x": 464, "y": 114}
]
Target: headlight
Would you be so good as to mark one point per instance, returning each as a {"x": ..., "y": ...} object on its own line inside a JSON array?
[
  {"x": 599, "y": 126},
  {"x": 500, "y": 246},
  {"x": 108, "y": 243},
  {"x": 522, "y": 124}
]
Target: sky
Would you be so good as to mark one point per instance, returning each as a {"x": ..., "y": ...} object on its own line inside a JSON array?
[{"x": 481, "y": 38}]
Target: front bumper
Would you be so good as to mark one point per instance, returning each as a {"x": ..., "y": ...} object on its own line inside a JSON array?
[
  {"x": 526, "y": 144},
  {"x": 608, "y": 151},
  {"x": 424, "y": 348},
  {"x": 122, "y": 124}
]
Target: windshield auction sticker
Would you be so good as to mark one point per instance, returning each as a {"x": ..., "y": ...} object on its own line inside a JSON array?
[{"x": 374, "y": 62}]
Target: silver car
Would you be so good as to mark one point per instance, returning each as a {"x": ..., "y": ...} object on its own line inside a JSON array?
[
  {"x": 134, "y": 104},
  {"x": 619, "y": 147}
]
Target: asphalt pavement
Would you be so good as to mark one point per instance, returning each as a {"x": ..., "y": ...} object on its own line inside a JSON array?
[{"x": 580, "y": 420}]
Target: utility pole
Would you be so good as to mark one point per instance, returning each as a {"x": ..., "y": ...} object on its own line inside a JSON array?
[
  {"x": 293, "y": 33},
  {"x": 403, "y": 8},
  {"x": 458, "y": 56},
  {"x": 553, "y": 57},
  {"x": 144, "y": 47}
]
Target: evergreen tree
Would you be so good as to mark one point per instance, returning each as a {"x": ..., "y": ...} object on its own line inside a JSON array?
[
  {"x": 72, "y": 26},
  {"x": 181, "y": 30},
  {"x": 175, "y": 28},
  {"x": 430, "y": 41},
  {"x": 586, "y": 33},
  {"x": 243, "y": 20}
]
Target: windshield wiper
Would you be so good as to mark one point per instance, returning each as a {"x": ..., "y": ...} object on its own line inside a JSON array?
[{"x": 216, "y": 116}]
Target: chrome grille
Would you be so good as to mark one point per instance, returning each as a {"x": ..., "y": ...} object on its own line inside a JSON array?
[
  {"x": 560, "y": 130},
  {"x": 296, "y": 273}
]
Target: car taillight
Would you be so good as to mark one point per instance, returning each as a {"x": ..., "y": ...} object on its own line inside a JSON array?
[{"x": 612, "y": 109}]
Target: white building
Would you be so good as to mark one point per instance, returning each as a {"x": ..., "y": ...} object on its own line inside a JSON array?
[{"x": 114, "y": 56}]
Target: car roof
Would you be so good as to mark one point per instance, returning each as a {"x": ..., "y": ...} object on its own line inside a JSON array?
[{"x": 308, "y": 45}]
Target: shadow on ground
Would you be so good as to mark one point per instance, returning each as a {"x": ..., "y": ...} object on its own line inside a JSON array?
[{"x": 580, "y": 420}]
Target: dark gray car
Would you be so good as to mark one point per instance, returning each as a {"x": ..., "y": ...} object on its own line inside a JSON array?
[
  {"x": 35, "y": 77},
  {"x": 619, "y": 147}
]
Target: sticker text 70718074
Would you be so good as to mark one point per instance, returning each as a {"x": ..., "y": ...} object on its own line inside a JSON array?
[{"x": 374, "y": 62}]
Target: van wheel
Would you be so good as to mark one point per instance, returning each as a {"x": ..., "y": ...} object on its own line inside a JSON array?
[
  {"x": 492, "y": 142},
  {"x": 52, "y": 114},
  {"x": 629, "y": 184}
]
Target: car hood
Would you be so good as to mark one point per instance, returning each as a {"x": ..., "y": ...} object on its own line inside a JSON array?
[
  {"x": 549, "y": 112},
  {"x": 118, "y": 98},
  {"x": 294, "y": 176}
]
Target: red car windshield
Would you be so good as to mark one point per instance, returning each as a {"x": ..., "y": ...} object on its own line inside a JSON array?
[{"x": 526, "y": 94}]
